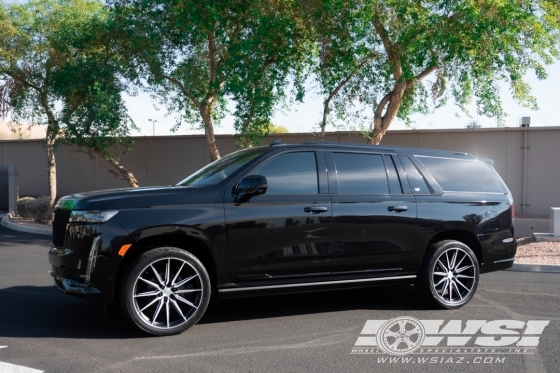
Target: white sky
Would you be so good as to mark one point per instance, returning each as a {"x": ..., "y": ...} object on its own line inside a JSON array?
[{"x": 305, "y": 116}]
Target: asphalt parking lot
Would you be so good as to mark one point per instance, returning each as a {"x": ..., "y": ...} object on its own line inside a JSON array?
[{"x": 48, "y": 331}]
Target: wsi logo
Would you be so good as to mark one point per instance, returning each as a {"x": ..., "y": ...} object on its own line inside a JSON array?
[{"x": 404, "y": 335}]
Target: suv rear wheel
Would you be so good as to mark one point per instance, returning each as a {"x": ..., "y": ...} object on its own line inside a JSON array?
[
  {"x": 165, "y": 291},
  {"x": 449, "y": 275}
]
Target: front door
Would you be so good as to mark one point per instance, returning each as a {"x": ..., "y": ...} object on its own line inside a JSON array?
[{"x": 284, "y": 235}]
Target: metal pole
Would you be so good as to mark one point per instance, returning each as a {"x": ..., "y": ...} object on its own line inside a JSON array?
[{"x": 524, "y": 172}]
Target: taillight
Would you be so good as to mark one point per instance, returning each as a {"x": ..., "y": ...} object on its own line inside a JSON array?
[{"x": 512, "y": 210}]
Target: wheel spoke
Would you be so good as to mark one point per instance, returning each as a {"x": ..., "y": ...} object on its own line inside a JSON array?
[
  {"x": 167, "y": 311},
  {"x": 391, "y": 333},
  {"x": 147, "y": 294},
  {"x": 457, "y": 290},
  {"x": 183, "y": 282},
  {"x": 185, "y": 301},
  {"x": 177, "y": 274},
  {"x": 461, "y": 261},
  {"x": 440, "y": 281},
  {"x": 167, "y": 272},
  {"x": 459, "y": 270},
  {"x": 149, "y": 304},
  {"x": 187, "y": 291},
  {"x": 450, "y": 287},
  {"x": 442, "y": 266},
  {"x": 453, "y": 260},
  {"x": 444, "y": 287},
  {"x": 447, "y": 257},
  {"x": 157, "y": 275},
  {"x": 158, "y": 309},
  {"x": 440, "y": 273},
  {"x": 149, "y": 282},
  {"x": 174, "y": 303},
  {"x": 460, "y": 283},
  {"x": 463, "y": 276},
  {"x": 416, "y": 330}
]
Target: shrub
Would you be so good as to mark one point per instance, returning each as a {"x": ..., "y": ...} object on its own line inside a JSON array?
[
  {"x": 39, "y": 209},
  {"x": 22, "y": 209}
]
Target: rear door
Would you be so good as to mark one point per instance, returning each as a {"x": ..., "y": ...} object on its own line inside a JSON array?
[{"x": 374, "y": 218}]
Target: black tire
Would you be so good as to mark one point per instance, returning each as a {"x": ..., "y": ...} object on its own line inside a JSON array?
[
  {"x": 165, "y": 291},
  {"x": 446, "y": 288}
]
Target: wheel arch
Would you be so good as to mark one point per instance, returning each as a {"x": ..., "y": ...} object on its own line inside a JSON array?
[
  {"x": 197, "y": 245},
  {"x": 466, "y": 237}
]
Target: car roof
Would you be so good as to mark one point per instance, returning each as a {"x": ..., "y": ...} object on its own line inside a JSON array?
[{"x": 396, "y": 149}]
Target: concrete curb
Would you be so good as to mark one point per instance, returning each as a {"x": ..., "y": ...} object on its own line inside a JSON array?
[
  {"x": 16, "y": 227},
  {"x": 542, "y": 268}
]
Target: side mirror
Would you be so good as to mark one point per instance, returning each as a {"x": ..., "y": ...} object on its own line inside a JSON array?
[{"x": 250, "y": 186}]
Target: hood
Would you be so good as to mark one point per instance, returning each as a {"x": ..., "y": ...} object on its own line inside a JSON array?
[{"x": 126, "y": 198}]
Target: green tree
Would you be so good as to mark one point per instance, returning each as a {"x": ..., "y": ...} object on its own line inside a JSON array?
[
  {"x": 467, "y": 47},
  {"x": 55, "y": 71},
  {"x": 195, "y": 55}
]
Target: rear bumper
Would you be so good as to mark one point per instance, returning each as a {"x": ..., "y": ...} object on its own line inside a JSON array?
[{"x": 499, "y": 256}]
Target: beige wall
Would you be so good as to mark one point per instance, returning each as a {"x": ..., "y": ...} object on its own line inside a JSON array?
[{"x": 168, "y": 159}]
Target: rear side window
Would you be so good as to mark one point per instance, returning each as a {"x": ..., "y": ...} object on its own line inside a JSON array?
[
  {"x": 415, "y": 178},
  {"x": 361, "y": 173},
  {"x": 459, "y": 175}
]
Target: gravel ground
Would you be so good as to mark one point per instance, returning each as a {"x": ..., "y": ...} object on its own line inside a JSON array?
[
  {"x": 531, "y": 252},
  {"x": 532, "y": 216}
]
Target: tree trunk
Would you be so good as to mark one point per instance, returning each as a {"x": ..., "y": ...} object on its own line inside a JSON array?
[
  {"x": 51, "y": 170},
  {"x": 125, "y": 173},
  {"x": 325, "y": 116},
  {"x": 205, "y": 112}
]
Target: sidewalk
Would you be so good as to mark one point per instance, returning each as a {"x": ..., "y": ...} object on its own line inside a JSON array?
[{"x": 25, "y": 225}]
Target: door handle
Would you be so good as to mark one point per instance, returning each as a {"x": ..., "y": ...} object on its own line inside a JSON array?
[
  {"x": 316, "y": 209},
  {"x": 397, "y": 208}
]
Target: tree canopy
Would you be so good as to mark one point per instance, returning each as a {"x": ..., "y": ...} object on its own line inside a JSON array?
[
  {"x": 465, "y": 47},
  {"x": 57, "y": 70},
  {"x": 196, "y": 55}
]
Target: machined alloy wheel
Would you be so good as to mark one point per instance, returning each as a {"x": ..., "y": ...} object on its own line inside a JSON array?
[
  {"x": 166, "y": 291},
  {"x": 449, "y": 275}
]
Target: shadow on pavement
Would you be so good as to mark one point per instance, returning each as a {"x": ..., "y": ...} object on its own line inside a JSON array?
[
  {"x": 44, "y": 312},
  {"x": 401, "y": 298}
]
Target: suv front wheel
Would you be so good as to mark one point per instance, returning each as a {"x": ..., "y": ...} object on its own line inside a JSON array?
[
  {"x": 165, "y": 291},
  {"x": 449, "y": 275}
]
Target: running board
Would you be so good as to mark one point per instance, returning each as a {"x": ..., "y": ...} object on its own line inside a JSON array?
[{"x": 316, "y": 283}]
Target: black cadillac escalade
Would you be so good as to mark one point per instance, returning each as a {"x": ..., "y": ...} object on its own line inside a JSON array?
[{"x": 287, "y": 218}]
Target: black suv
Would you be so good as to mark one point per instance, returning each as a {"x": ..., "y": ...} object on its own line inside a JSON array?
[{"x": 287, "y": 218}]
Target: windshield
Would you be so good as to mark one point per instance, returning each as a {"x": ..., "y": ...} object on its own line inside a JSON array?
[{"x": 217, "y": 171}]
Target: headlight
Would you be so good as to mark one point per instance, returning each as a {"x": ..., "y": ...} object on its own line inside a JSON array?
[{"x": 93, "y": 216}]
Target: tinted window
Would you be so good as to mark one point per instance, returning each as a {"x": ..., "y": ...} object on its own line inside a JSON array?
[
  {"x": 292, "y": 173},
  {"x": 361, "y": 173},
  {"x": 415, "y": 178},
  {"x": 462, "y": 175},
  {"x": 217, "y": 171}
]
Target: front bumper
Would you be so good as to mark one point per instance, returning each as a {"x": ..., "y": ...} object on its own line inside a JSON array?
[{"x": 74, "y": 287}]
